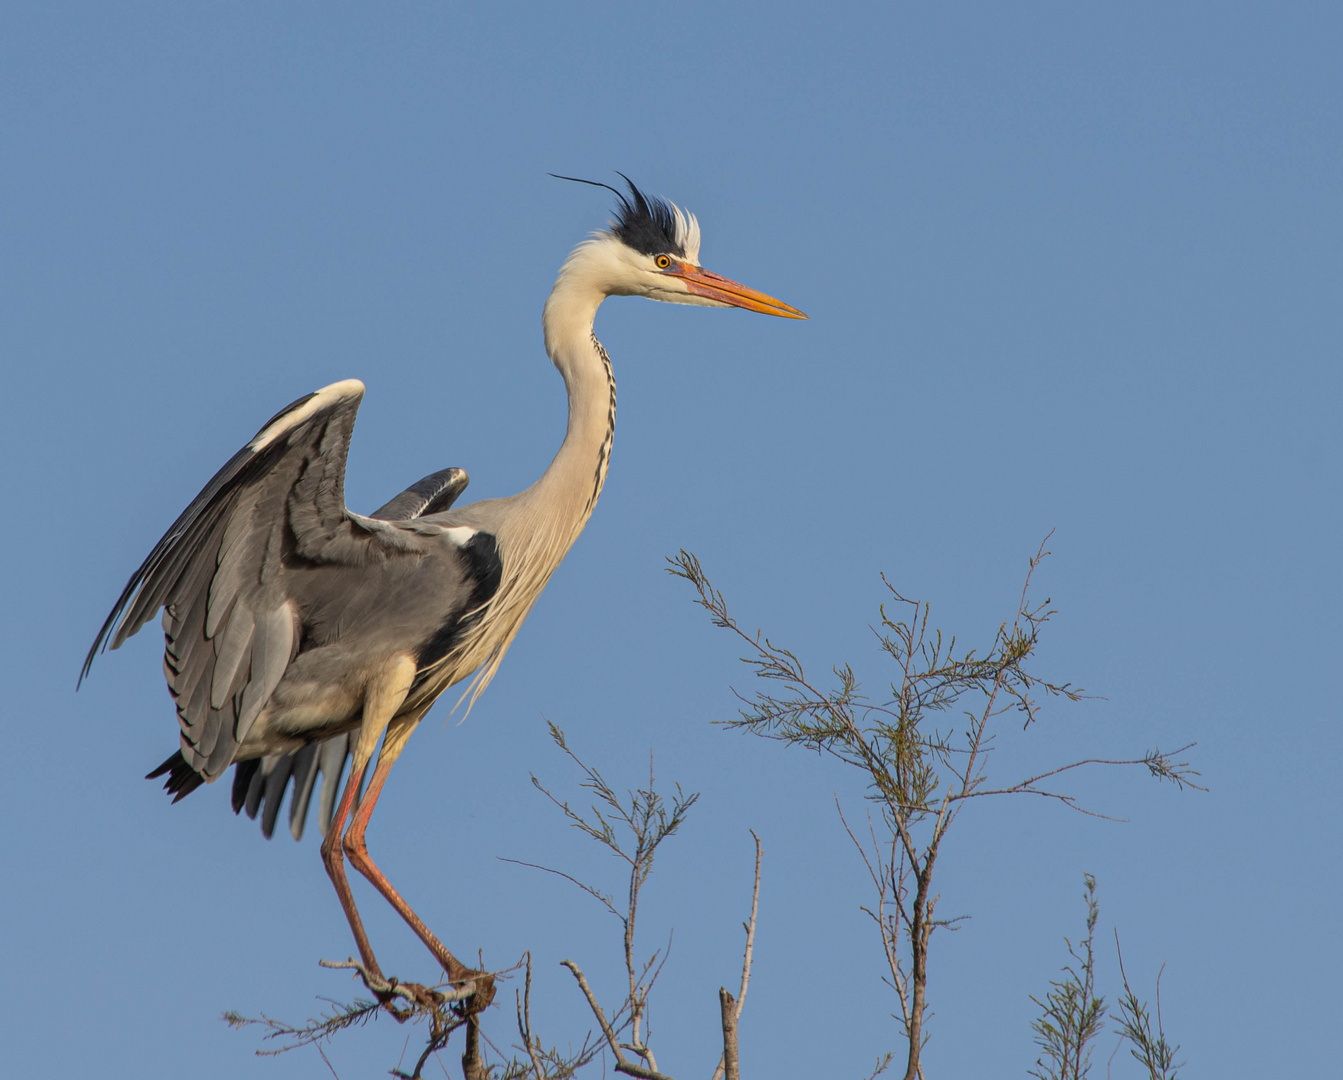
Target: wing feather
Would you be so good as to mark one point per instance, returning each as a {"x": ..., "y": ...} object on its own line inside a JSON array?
[
  {"x": 430, "y": 495},
  {"x": 229, "y": 629},
  {"x": 331, "y": 760},
  {"x": 274, "y": 793},
  {"x": 272, "y": 648},
  {"x": 260, "y": 784},
  {"x": 230, "y": 648},
  {"x": 305, "y": 777},
  {"x": 256, "y": 788},
  {"x": 230, "y": 626}
]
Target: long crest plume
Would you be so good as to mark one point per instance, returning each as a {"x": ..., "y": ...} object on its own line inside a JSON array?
[{"x": 648, "y": 224}]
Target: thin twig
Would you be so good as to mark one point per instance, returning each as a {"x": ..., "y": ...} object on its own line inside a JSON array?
[
  {"x": 746, "y": 961},
  {"x": 1070, "y": 801},
  {"x": 1156, "y": 762},
  {"x": 595, "y": 893},
  {"x": 750, "y": 928},
  {"x": 623, "y": 1064},
  {"x": 525, "y": 1019}
]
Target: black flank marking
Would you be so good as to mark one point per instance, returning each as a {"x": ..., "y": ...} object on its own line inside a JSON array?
[{"x": 485, "y": 570}]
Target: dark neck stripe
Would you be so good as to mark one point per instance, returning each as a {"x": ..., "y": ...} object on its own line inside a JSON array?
[{"x": 603, "y": 454}]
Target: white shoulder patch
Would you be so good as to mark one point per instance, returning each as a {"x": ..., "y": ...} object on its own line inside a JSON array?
[
  {"x": 460, "y": 534},
  {"x": 345, "y": 390}
]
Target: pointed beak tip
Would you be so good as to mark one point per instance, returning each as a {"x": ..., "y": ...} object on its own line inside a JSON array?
[
  {"x": 787, "y": 311},
  {"x": 716, "y": 287}
]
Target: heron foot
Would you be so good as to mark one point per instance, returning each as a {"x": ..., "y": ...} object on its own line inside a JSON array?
[{"x": 390, "y": 990}]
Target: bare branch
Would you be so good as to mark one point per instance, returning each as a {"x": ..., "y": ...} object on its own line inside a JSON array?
[
  {"x": 577, "y": 973},
  {"x": 1157, "y": 763},
  {"x": 730, "y": 1012},
  {"x": 883, "y": 1063},
  {"x": 631, "y": 827},
  {"x": 1070, "y": 801},
  {"x": 525, "y": 1020},
  {"x": 443, "y": 1008},
  {"x": 749, "y": 927},
  {"x": 473, "y": 1064},
  {"x": 746, "y": 960},
  {"x": 623, "y": 1064},
  {"x": 414, "y": 993}
]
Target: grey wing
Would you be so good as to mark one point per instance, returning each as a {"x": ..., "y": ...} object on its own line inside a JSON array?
[
  {"x": 229, "y": 628},
  {"x": 432, "y": 495},
  {"x": 259, "y": 785}
]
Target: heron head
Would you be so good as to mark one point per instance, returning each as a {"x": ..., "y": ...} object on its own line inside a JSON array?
[{"x": 652, "y": 249}]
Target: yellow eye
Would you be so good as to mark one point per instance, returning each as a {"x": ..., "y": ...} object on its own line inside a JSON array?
[{"x": 662, "y": 262}]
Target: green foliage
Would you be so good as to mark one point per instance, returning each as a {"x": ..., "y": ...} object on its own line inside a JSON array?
[
  {"x": 914, "y": 767},
  {"x": 1148, "y": 1045},
  {"x": 919, "y": 767},
  {"x": 1071, "y": 1015}
]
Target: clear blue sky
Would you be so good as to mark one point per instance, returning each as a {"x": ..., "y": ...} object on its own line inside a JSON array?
[{"x": 1068, "y": 266}]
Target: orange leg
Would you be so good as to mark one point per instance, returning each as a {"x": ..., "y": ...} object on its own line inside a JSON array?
[
  {"x": 383, "y": 696},
  {"x": 333, "y": 857},
  {"x": 357, "y": 849}
]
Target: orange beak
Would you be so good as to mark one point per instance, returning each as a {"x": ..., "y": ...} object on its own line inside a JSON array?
[{"x": 706, "y": 283}]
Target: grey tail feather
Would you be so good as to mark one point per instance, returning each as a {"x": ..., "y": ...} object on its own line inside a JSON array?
[
  {"x": 305, "y": 775},
  {"x": 242, "y": 780},
  {"x": 260, "y": 784},
  {"x": 182, "y": 778}
]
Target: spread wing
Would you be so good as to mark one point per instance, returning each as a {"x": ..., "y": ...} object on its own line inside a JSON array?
[
  {"x": 259, "y": 785},
  {"x": 218, "y": 573}
]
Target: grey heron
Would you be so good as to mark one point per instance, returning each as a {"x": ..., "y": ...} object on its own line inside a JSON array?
[{"x": 297, "y": 631}]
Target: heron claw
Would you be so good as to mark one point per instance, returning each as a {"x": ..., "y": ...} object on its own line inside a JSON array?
[{"x": 387, "y": 990}]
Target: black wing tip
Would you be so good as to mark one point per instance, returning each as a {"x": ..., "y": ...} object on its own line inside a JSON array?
[
  {"x": 110, "y": 633},
  {"x": 104, "y": 638},
  {"x": 182, "y": 778}
]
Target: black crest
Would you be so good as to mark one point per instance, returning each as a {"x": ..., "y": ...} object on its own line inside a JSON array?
[{"x": 644, "y": 222}]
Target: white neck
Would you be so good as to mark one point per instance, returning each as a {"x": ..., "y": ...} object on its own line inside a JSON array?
[
  {"x": 561, "y": 501},
  {"x": 541, "y": 523}
]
